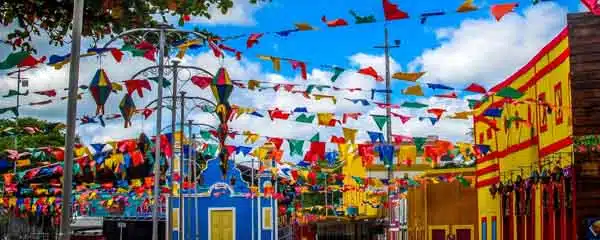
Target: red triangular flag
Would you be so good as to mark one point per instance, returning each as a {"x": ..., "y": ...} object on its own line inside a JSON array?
[
  {"x": 392, "y": 12},
  {"x": 499, "y": 10},
  {"x": 253, "y": 39},
  {"x": 436, "y": 111},
  {"x": 334, "y": 23},
  {"x": 278, "y": 114},
  {"x": 447, "y": 95},
  {"x": 201, "y": 82},
  {"x": 276, "y": 141},
  {"x": 301, "y": 65},
  {"x": 336, "y": 139},
  {"x": 215, "y": 48},
  {"x": 476, "y": 88},
  {"x": 403, "y": 118},
  {"x": 370, "y": 71},
  {"x": 30, "y": 61},
  {"x": 117, "y": 54}
]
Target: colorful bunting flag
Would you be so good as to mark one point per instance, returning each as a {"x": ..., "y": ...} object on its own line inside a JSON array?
[
  {"x": 392, "y": 12},
  {"x": 415, "y": 90},
  {"x": 370, "y": 71},
  {"x": 297, "y": 64},
  {"x": 376, "y": 137},
  {"x": 315, "y": 138},
  {"x": 411, "y": 77},
  {"x": 303, "y": 27},
  {"x": 40, "y": 102},
  {"x": 296, "y": 147},
  {"x": 253, "y": 39},
  {"x": 403, "y": 118},
  {"x": 350, "y": 115},
  {"x": 438, "y": 86},
  {"x": 334, "y": 23},
  {"x": 337, "y": 71},
  {"x": 349, "y": 134},
  {"x": 473, "y": 103},
  {"x": 509, "y": 92},
  {"x": 380, "y": 120},
  {"x": 12, "y": 92},
  {"x": 13, "y": 60},
  {"x": 437, "y": 112},
  {"x": 319, "y": 97},
  {"x": 493, "y": 112},
  {"x": 286, "y": 33},
  {"x": 137, "y": 85},
  {"x": 326, "y": 119},
  {"x": 14, "y": 110},
  {"x": 476, "y": 88},
  {"x": 452, "y": 95},
  {"x": 413, "y": 105},
  {"x": 467, "y": 6},
  {"x": 362, "y": 19},
  {"x": 499, "y": 10},
  {"x": 364, "y": 102},
  {"x": 426, "y": 15},
  {"x": 304, "y": 118}
]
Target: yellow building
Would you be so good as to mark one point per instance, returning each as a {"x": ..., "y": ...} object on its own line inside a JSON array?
[{"x": 527, "y": 136}]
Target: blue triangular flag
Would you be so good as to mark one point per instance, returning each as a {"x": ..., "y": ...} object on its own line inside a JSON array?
[
  {"x": 243, "y": 149},
  {"x": 375, "y": 136},
  {"x": 493, "y": 112},
  {"x": 255, "y": 113},
  {"x": 439, "y": 86},
  {"x": 301, "y": 110}
]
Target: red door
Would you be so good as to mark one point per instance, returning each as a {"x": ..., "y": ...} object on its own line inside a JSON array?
[
  {"x": 438, "y": 234},
  {"x": 463, "y": 234}
]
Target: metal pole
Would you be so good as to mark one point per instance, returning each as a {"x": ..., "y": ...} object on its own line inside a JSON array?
[
  {"x": 196, "y": 220},
  {"x": 181, "y": 162},
  {"x": 189, "y": 170},
  {"x": 65, "y": 226},
  {"x": 17, "y": 116},
  {"x": 161, "y": 59},
  {"x": 389, "y": 125},
  {"x": 173, "y": 122},
  {"x": 252, "y": 200}
]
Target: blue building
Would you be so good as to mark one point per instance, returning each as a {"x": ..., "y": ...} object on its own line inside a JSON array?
[{"x": 222, "y": 208}]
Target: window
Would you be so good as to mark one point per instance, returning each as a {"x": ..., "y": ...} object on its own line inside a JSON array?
[
  {"x": 494, "y": 226},
  {"x": 483, "y": 228},
  {"x": 558, "y": 103},
  {"x": 267, "y": 217},
  {"x": 542, "y": 111}
]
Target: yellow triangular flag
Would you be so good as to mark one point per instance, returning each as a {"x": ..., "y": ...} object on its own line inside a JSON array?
[
  {"x": 467, "y": 6},
  {"x": 304, "y": 27},
  {"x": 349, "y": 134},
  {"x": 414, "y": 90},
  {"x": 412, "y": 77}
]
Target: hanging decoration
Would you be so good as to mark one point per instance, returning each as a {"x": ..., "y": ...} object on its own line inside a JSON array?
[
  {"x": 499, "y": 10},
  {"x": 221, "y": 88},
  {"x": 127, "y": 107},
  {"x": 424, "y": 16},
  {"x": 334, "y": 23},
  {"x": 411, "y": 77},
  {"x": 413, "y": 91},
  {"x": 392, "y": 12},
  {"x": 253, "y": 39},
  {"x": 100, "y": 88},
  {"x": 370, "y": 71},
  {"x": 362, "y": 19}
]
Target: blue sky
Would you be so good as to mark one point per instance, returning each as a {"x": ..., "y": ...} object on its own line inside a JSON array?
[{"x": 455, "y": 49}]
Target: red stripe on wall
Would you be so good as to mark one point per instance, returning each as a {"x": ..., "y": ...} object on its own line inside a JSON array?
[
  {"x": 536, "y": 77},
  {"x": 487, "y": 182},
  {"x": 554, "y": 147},
  {"x": 486, "y": 170},
  {"x": 509, "y": 150}
]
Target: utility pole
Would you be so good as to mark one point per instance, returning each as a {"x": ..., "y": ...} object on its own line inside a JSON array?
[
  {"x": 65, "y": 223},
  {"x": 173, "y": 122},
  {"x": 181, "y": 162},
  {"x": 388, "y": 96}
]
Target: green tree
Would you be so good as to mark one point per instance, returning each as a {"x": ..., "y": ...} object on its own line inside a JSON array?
[
  {"x": 46, "y": 134},
  {"x": 101, "y": 17}
]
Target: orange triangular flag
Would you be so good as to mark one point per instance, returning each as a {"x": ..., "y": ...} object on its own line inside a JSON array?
[{"x": 499, "y": 10}]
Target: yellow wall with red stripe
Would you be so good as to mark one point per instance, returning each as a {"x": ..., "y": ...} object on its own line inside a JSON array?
[{"x": 516, "y": 147}]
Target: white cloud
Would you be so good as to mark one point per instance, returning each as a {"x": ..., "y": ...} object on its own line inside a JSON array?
[{"x": 486, "y": 51}]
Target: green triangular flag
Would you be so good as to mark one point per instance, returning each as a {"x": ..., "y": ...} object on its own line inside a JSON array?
[
  {"x": 360, "y": 19},
  {"x": 205, "y": 135},
  {"x": 413, "y": 105},
  {"x": 509, "y": 92},
  {"x": 315, "y": 138},
  {"x": 473, "y": 103},
  {"x": 12, "y": 92},
  {"x": 337, "y": 71},
  {"x": 419, "y": 142},
  {"x": 211, "y": 150},
  {"x": 463, "y": 181},
  {"x": 358, "y": 180},
  {"x": 134, "y": 51},
  {"x": 296, "y": 147},
  {"x": 310, "y": 88},
  {"x": 380, "y": 120},
  {"x": 13, "y": 60},
  {"x": 305, "y": 119},
  {"x": 166, "y": 83}
]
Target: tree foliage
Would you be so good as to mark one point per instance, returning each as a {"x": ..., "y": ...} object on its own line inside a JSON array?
[
  {"x": 101, "y": 17},
  {"x": 47, "y": 134}
]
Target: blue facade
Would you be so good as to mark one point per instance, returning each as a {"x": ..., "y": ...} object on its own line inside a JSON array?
[{"x": 218, "y": 194}]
